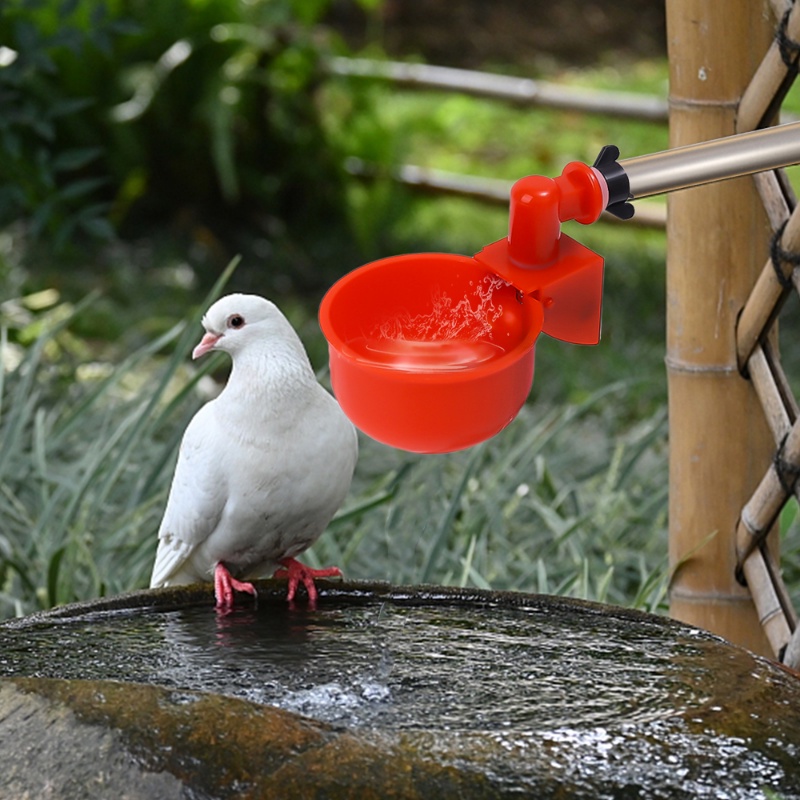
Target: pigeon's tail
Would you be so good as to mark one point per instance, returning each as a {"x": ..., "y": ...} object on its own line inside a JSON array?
[{"x": 171, "y": 556}]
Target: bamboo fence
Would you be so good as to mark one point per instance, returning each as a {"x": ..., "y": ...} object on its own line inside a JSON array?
[
  {"x": 521, "y": 91},
  {"x": 734, "y": 435},
  {"x": 757, "y": 350}
]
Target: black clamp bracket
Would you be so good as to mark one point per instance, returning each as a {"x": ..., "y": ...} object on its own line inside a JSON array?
[{"x": 619, "y": 187}]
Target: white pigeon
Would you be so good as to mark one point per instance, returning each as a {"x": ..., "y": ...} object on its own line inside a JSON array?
[{"x": 262, "y": 468}]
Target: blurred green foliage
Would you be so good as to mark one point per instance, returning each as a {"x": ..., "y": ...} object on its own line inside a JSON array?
[
  {"x": 194, "y": 115},
  {"x": 50, "y": 170}
]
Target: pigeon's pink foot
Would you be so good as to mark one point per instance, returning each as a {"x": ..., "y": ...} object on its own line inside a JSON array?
[
  {"x": 298, "y": 573},
  {"x": 225, "y": 585}
]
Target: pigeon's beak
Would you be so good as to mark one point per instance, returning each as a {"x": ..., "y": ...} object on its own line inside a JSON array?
[{"x": 208, "y": 342}]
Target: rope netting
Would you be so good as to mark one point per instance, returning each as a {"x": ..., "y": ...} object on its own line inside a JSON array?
[{"x": 757, "y": 349}]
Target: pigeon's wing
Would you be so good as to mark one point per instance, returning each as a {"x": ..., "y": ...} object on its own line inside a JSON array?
[{"x": 196, "y": 498}]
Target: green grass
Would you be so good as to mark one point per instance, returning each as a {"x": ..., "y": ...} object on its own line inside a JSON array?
[
  {"x": 556, "y": 503},
  {"x": 86, "y": 451},
  {"x": 570, "y": 499}
]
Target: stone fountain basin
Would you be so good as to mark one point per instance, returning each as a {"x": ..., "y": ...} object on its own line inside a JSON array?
[{"x": 384, "y": 691}]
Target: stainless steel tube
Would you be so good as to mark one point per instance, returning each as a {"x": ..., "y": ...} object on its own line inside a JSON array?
[{"x": 715, "y": 160}]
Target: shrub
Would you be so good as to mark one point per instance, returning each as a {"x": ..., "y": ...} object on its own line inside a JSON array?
[
  {"x": 50, "y": 163},
  {"x": 201, "y": 114}
]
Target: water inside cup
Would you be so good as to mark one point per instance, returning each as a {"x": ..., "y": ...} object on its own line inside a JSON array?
[{"x": 409, "y": 355}]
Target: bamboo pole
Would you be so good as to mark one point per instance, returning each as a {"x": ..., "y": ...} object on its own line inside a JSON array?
[
  {"x": 494, "y": 191},
  {"x": 772, "y": 80},
  {"x": 720, "y": 446},
  {"x": 758, "y": 564},
  {"x": 772, "y": 395},
  {"x": 522, "y": 91},
  {"x": 777, "y": 196},
  {"x": 764, "y": 303},
  {"x": 759, "y": 571}
]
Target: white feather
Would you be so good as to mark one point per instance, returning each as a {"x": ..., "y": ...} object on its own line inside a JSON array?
[{"x": 263, "y": 467}]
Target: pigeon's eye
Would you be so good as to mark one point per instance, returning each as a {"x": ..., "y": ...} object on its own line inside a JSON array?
[{"x": 235, "y": 321}]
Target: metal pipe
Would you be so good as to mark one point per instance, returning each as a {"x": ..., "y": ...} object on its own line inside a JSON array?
[{"x": 715, "y": 160}]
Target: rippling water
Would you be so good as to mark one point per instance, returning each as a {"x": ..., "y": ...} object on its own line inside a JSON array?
[
  {"x": 392, "y": 666},
  {"x": 599, "y": 699}
]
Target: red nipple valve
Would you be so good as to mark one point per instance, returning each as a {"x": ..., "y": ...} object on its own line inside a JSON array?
[
  {"x": 549, "y": 267},
  {"x": 539, "y": 205}
]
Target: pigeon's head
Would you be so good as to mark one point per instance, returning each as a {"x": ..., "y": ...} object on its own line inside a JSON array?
[{"x": 238, "y": 319}]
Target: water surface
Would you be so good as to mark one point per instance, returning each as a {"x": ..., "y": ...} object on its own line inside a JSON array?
[{"x": 532, "y": 693}]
